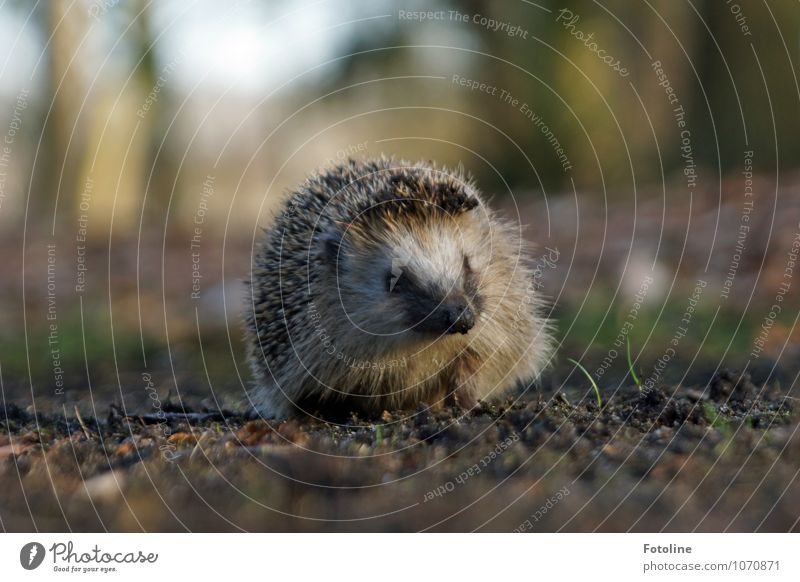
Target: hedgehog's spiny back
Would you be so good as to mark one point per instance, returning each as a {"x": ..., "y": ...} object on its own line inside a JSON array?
[{"x": 353, "y": 189}]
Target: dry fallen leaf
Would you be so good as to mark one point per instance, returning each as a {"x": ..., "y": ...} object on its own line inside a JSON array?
[
  {"x": 125, "y": 449},
  {"x": 14, "y": 449},
  {"x": 183, "y": 438},
  {"x": 253, "y": 432}
]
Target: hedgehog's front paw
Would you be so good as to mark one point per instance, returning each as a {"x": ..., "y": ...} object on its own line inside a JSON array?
[{"x": 465, "y": 398}]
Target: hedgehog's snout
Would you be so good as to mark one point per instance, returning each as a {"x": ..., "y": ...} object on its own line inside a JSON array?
[{"x": 460, "y": 317}]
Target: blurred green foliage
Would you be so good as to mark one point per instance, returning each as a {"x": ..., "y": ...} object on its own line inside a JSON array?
[{"x": 730, "y": 65}]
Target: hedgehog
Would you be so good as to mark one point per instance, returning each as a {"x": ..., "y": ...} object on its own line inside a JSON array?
[{"x": 388, "y": 285}]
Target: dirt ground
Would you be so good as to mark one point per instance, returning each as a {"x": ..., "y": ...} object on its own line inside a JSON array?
[{"x": 724, "y": 456}]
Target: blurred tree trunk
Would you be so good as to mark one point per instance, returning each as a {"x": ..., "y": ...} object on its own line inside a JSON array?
[
  {"x": 94, "y": 143},
  {"x": 120, "y": 139},
  {"x": 673, "y": 42},
  {"x": 57, "y": 167}
]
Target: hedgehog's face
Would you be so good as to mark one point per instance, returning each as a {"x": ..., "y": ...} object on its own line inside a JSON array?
[{"x": 421, "y": 279}]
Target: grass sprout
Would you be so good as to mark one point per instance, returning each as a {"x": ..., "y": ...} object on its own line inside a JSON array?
[
  {"x": 634, "y": 377},
  {"x": 591, "y": 380}
]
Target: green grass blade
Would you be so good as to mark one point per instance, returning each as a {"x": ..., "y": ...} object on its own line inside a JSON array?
[
  {"x": 630, "y": 364},
  {"x": 589, "y": 377}
]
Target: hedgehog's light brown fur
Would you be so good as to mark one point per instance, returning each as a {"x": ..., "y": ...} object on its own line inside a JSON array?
[{"x": 322, "y": 327}]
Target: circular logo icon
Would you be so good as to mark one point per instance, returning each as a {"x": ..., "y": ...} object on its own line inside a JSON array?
[{"x": 31, "y": 555}]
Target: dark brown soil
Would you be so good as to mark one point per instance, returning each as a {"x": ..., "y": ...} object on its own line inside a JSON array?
[{"x": 724, "y": 456}]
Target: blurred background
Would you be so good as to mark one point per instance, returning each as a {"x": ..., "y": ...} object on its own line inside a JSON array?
[{"x": 651, "y": 151}]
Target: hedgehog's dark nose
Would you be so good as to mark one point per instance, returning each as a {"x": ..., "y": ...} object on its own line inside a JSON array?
[{"x": 460, "y": 318}]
